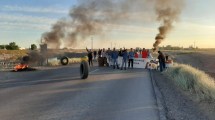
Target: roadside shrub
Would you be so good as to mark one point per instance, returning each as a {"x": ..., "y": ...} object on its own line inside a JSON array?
[{"x": 193, "y": 80}]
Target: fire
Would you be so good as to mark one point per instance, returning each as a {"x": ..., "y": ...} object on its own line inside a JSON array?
[{"x": 20, "y": 67}]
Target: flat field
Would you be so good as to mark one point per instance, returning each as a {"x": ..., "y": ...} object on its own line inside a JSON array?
[{"x": 201, "y": 59}]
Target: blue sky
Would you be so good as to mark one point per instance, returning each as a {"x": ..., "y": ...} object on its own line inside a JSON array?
[{"x": 23, "y": 21}]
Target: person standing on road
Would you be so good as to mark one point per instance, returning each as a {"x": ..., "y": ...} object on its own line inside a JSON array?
[
  {"x": 114, "y": 57},
  {"x": 120, "y": 52},
  {"x": 99, "y": 52},
  {"x": 124, "y": 58},
  {"x": 108, "y": 53},
  {"x": 136, "y": 54},
  {"x": 90, "y": 57},
  {"x": 161, "y": 59},
  {"x": 140, "y": 54},
  {"x": 104, "y": 56},
  {"x": 94, "y": 54},
  {"x": 144, "y": 53},
  {"x": 103, "y": 53},
  {"x": 131, "y": 58}
]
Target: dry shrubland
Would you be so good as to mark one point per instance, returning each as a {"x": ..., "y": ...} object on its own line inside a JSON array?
[
  {"x": 13, "y": 54},
  {"x": 193, "y": 80}
]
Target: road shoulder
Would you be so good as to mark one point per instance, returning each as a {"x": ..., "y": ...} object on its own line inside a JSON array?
[
  {"x": 159, "y": 99},
  {"x": 179, "y": 104}
]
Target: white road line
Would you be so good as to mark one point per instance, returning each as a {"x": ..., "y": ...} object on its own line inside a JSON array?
[{"x": 94, "y": 70}]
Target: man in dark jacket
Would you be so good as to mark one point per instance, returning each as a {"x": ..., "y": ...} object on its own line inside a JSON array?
[
  {"x": 90, "y": 57},
  {"x": 99, "y": 53},
  {"x": 124, "y": 58},
  {"x": 120, "y": 52},
  {"x": 131, "y": 58},
  {"x": 161, "y": 59},
  {"x": 94, "y": 54},
  {"x": 114, "y": 56},
  {"x": 108, "y": 53}
]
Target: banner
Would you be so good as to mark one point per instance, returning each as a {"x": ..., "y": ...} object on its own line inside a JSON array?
[{"x": 138, "y": 62}]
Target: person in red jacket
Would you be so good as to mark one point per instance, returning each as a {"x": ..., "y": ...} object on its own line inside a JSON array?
[
  {"x": 135, "y": 54},
  {"x": 144, "y": 53}
]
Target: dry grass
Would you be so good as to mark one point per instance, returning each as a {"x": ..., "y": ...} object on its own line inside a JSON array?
[
  {"x": 193, "y": 80},
  {"x": 13, "y": 54}
]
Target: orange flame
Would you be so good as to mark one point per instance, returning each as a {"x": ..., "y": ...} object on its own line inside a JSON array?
[{"x": 20, "y": 67}]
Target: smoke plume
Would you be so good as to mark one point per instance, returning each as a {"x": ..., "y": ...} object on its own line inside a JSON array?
[
  {"x": 167, "y": 12},
  {"x": 91, "y": 17}
]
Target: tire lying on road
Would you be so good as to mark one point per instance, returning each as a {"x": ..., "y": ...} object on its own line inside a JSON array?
[
  {"x": 84, "y": 69},
  {"x": 64, "y": 60}
]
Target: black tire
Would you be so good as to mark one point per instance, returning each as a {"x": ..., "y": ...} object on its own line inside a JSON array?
[
  {"x": 64, "y": 60},
  {"x": 26, "y": 59},
  {"x": 84, "y": 70}
]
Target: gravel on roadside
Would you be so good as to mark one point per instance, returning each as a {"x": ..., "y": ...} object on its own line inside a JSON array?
[{"x": 182, "y": 105}]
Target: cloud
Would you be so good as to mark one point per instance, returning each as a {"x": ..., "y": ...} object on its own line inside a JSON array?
[
  {"x": 26, "y": 22},
  {"x": 22, "y": 26},
  {"x": 34, "y": 9},
  {"x": 196, "y": 28},
  {"x": 21, "y": 21},
  {"x": 26, "y": 18}
]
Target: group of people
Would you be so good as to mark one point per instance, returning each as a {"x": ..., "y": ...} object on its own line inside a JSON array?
[
  {"x": 127, "y": 57},
  {"x": 112, "y": 56}
]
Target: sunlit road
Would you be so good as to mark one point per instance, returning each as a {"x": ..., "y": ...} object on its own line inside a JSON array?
[{"x": 59, "y": 94}]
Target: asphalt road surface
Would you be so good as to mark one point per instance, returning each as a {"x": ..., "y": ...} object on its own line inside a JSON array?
[{"x": 59, "y": 94}]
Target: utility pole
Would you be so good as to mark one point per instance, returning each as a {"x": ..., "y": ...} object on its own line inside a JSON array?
[
  {"x": 194, "y": 44},
  {"x": 195, "y": 47},
  {"x": 92, "y": 43}
]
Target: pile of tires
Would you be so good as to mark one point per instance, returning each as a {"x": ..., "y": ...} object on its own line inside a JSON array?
[
  {"x": 105, "y": 62},
  {"x": 101, "y": 61},
  {"x": 26, "y": 59}
]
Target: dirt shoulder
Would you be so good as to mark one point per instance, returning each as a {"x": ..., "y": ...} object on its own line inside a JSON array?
[{"x": 182, "y": 105}]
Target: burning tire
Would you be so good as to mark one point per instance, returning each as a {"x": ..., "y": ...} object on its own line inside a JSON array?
[
  {"x": 84, "y": 70},
  {"x": 64, "y": 60},
  {"x": 26, "y": 59}
]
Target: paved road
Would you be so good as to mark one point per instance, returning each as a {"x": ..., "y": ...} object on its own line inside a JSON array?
[{"x": 59, "y": 94}]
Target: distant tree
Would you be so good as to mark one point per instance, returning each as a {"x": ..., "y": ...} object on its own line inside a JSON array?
[
  {"x": 33, "y": 47},
  {"x": 168, "y": 46},
  {"x": 138, "y": 48},
  {"x": 65, "y": 48},
  {"x": 2, "y": 46},
  {"x": 12, "y": 46}
]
